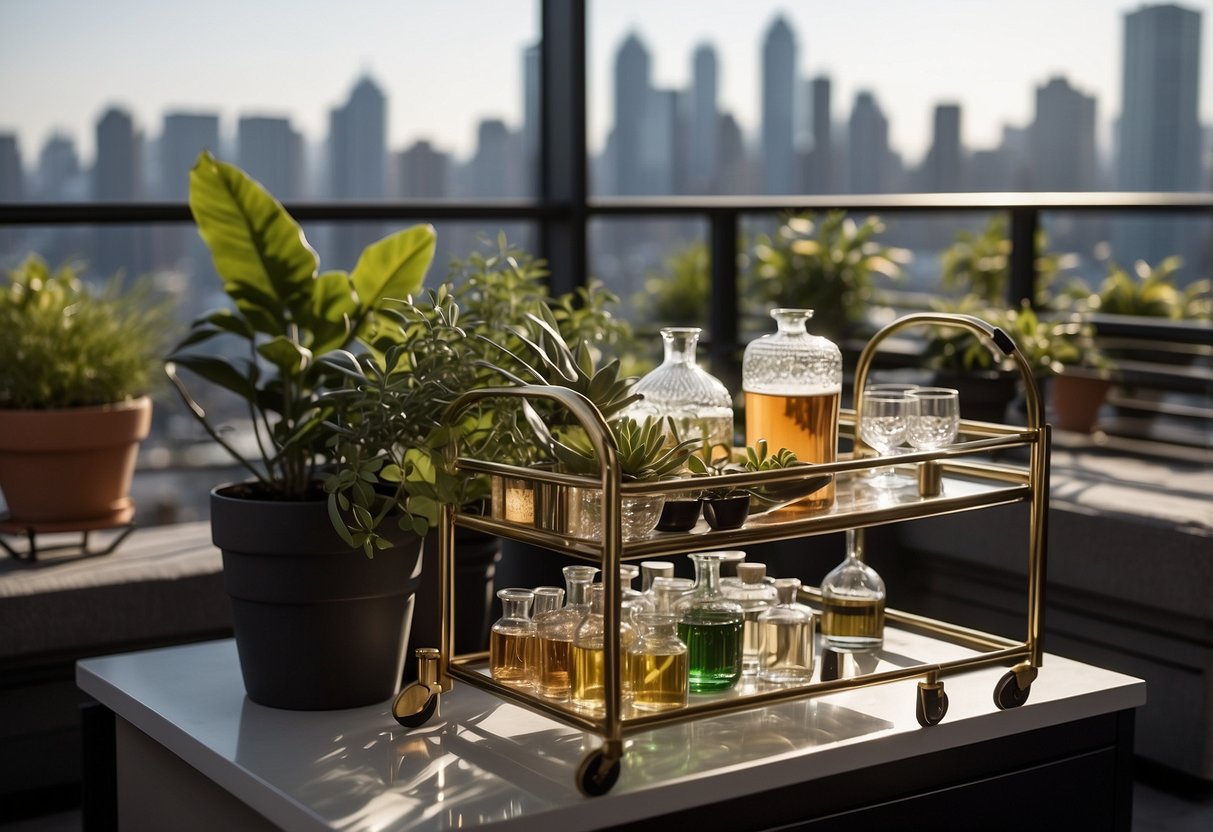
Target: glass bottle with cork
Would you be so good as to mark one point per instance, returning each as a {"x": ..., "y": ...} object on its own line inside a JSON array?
[{"x": 755, "y": 595}]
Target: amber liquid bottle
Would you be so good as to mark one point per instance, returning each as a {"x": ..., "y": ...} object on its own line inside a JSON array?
[
  {"x": 793, "y": 383},
  {"x": 555, "y": 632},
  {"x": 512, "y": 637},
  {"x": 656, "y": 665}
]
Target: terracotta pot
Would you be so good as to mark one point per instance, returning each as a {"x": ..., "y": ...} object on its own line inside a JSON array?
[
  {"x": 72, "y": 465},
  {"x": 318, "y": 625},
  {"x": 1076, "y": 401}
]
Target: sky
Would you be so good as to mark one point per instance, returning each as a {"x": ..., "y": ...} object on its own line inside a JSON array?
[{"x": 444, "y": 65}]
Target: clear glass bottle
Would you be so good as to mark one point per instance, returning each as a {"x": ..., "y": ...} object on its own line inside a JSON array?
[
  {"x": 679, "y": 388},
  {"x": 852, "y": 598},
  {"x": 650, "y": 569},
  {"x": 711, "y": 627},
  {"x": 665, "y": 592},
  {"x": 785, "y": 638},
  {"x": 755, "y": 595},
  {"x": 656, "y": 665},
  {"x": 793, "y": 383},
  {"x": 589, "y": 674},
  {"x": 634, "y": 602},
  {"x": 555, "y": 632},
  {"x": 547, "y": 599},
  {"x": 511, "y": 638}
]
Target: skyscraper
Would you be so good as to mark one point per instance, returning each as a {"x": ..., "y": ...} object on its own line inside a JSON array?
[
  {"x": 942, "y": 170},
  {"x": 271, "y": 151},
  {"x": 116, "y": 179},
  {"x": 12, "y": 178},
  {"x": 531, "y": 118},
  {"x": 632, "y": 92},
  {"x": 821, "y": 162},
  {"x": 778, "y": 91},
  {"x": 357, "y": 165},
  {"x": 495, "y": 165},
  {"x": 1061, "y": 140},
  {"x": 704, "y": 119},
  {"x": 1159, "y": 147},
  {"x": 184, "y": 136},
  {"x": 424, "y": 172},
  {"x": 59, "y": 169},
  {"x": 658, "y": 147},
  {"x": 869, "y": 146}
]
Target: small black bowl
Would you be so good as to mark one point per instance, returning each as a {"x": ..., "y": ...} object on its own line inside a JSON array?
[
  {"x": 726, "y": 512},
  {"x": 679, "y": 515}
]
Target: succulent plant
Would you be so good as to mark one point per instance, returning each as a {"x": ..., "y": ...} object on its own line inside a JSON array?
[{"x": 643, "y": 450}]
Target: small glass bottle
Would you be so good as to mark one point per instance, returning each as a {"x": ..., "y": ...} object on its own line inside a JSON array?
[
  {"x": 711, "y": 627},
  {"x": 793, "y": 383},
  {"x": 589, "y": 673},
  {"x": 511, "y": 637},
  {"x": 665, "y": 593},
  {"x": 634, "y": 602},
  {"x": 679, "y": 388},
  {"x": 785, "y": 638},
  {"x": 656, "y": 665},
  {"x": 852, "y": 599},
  {"x": 650, "y": 569},
  {"x": 555, "y": 632},
  {"x": 547, "y": 599},
  {"x": 755, "y": 596}
]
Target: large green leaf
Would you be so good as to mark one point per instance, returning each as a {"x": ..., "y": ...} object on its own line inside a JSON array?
[
  {"x": 237, "y": 376},
  {"x": 395, "y": 266},
  {"x": 258, "y": 249}
]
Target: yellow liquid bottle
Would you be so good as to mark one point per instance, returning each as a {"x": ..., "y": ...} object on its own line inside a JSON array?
[
  {"x": 656, "y": 665},
  {"x": 511, "y": 638}
]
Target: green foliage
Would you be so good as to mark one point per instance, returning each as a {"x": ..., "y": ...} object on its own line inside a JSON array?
[
  {"x": 679, "y": 294},
  {"x": 829, "y": 265},
  {"x": 756, "y": 458},
  {"x": 643, "y": 451},
  {"x": 1149, "y": 291},
  {"x": 285, "y": 316},
  {"x": 66, "y": 344},
  {"x": 980, "y": 264}
]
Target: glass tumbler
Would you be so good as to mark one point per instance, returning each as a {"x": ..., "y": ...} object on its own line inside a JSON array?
[
  {"x": 883, "y": 427},
  {"x": 933, "y": 419}
]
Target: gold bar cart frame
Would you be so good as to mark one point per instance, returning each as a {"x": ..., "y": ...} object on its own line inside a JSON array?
[{"x": 600, "y": 768}]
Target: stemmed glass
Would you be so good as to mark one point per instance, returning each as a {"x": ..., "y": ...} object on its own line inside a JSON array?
[
  {"x": 933, "y": 417},
  {"x": 883, "y": 427}
]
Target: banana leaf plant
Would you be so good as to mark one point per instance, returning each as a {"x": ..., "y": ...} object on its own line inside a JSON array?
[{"x": 285, "y": 313}]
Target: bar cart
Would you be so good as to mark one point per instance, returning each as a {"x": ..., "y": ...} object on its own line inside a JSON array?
[{"x": 949, "y": 480}]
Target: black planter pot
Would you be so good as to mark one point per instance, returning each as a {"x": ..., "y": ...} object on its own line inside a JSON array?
[
  {"x": 726, "y": 512},
  {"x": 476, "y": 557},
  {"x": 679, "y": 515},
  {"x": 318, "y": 625}
]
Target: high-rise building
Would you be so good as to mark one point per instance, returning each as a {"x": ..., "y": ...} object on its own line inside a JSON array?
[
  {"x": 703, "y": 122},
  {"x": 1159, "y": 141},
  {"x": 531, "y": 118},
  {"x": 424, "y": 172},
  {"x": 821, "y": 161},
  {"x": 1061, "y": 140},
  {"x": 59, "y": 169},
  {"x": 632, "y": 93},
  {"x": 658, "y": 148},
  {"x": 495, "y": 166},
  {"x": 116, "y": 179},
  {"x": 357, "y": 166},
  {"x": 12, "y": 177},
  {"x": 943, "y": 168},
  {"x": 868, "y": 134},
  {"x": 184, "y": 136},
  {"x": 778, "y": 92},
  {"x": 734, "y": 171},
  {"x": 271, "y": 151}
]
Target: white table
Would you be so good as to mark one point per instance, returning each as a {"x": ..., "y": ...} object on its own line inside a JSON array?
[{"x": 194, "y": 752}]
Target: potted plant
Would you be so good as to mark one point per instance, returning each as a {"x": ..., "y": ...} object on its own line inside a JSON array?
[
  {"x": 319, "y": 623},
  {"x": 76, "y": 365}
]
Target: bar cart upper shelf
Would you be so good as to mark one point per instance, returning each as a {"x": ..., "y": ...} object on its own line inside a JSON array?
[{"x": 953, "y": 479}]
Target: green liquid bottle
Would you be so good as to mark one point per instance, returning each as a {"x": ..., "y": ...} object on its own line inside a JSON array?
[{"x": 711, "y": 626}]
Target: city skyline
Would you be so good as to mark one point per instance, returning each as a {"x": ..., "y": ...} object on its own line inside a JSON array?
[{"x": 498, "y": 34}]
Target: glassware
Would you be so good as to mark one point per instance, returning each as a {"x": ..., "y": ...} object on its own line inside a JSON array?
[
  {"x": 883, "y": 427},
  {"x": 656, "y": 665},
  {"x": 650, "y": 569},
  {"x": 933, "y": 420},
  {"x": 711, "y": 627},
  {"x": 633, "y": 601},
  {"x": 512, "y": 637},
  {"x": 547, "y": 599},
  {"x": 852, "y": 598},
  {"x": 755, "y": 596},
  {"x": 589, "y": 675},
  {"x": 793, "y": 382},
  {"x": 785, "y": 638},
  {"x": 730, "y": 559},
  {"x": 665, "y": 592},
  {"x": 680, "y": 389},
  {"x": 555, "y": 632}
]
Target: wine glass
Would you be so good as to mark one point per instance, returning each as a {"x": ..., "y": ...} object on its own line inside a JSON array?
[
  {"x": 883, "y": 427},
  {"x": 933, "y": 418}
]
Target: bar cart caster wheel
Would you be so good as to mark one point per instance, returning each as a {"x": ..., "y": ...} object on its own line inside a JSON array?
[
  {"x": 932, "y": 704},
  {"x": 597, "y": 775},
  {"x": 418, "y": 702},
  {"x": 1008, "y": 693}
]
